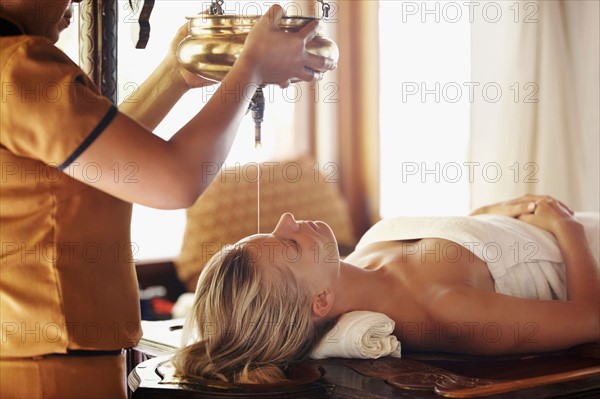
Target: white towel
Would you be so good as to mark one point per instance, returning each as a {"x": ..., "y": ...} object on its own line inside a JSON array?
[
  {"x": 359, "y": 335},
  {"x": 524, "y": 261}
]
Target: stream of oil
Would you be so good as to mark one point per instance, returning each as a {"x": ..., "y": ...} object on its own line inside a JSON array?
[{"x": 258, "y": 197}]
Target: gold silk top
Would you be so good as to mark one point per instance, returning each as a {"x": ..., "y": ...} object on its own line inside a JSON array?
[{"x": 66, "y": 267}]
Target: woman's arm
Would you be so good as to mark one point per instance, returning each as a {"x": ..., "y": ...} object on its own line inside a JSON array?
[
  {"x": 582, "y": 272},
  {"x": 157, "y": 95},
  {"x": 504, "y": 324},
  {"x": 474, "y": 321},
  {"x": 172, "y": 174},
  {"x": 513, "y": 208}
]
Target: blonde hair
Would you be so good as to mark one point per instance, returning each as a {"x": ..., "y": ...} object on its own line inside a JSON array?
[{"x": 248, "y": 325}]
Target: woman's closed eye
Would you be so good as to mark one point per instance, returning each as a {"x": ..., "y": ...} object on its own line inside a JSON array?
[
  {"x": 291, "y": 247},
  {"x": 291, "y": 243}
]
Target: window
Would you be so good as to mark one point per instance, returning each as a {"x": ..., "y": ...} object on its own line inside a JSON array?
[
  {"x": 424, "y": 115},
  {"x": 158, "y": 234},
  {"x": 69, "y": 38}
]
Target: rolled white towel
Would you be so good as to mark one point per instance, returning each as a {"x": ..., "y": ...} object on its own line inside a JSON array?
[{"x": 359, "y": 335}]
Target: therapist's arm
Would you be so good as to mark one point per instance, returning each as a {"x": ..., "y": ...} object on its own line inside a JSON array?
[{"x": 172, "y": 174}]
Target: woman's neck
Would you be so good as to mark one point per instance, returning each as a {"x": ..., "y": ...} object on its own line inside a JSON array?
[{"x": 355, "y": 289}]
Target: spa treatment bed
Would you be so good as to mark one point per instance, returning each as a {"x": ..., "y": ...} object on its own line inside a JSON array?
[
  {"x": 573, "y": 373},
  {"x": 570, "y": 374}
]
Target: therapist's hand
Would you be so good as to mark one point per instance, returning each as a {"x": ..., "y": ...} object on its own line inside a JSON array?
[{"x": 277, "y": 57}]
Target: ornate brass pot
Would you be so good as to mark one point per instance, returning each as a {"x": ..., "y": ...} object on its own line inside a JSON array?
[{"x": 214, "y": 42}]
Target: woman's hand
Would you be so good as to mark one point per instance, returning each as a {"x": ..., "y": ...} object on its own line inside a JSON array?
[
  {"x": 191, "y": 79},
  {"x": 550, "y": 215},
  {"x": 278, "y": 57},
  {"x": 523, "y": 205}
]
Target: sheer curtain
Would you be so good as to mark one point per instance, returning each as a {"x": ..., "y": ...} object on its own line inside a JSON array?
[{"x": 537, "y": 129}]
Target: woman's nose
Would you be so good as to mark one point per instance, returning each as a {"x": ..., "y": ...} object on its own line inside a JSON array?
[{"x": 287, "y": 222}]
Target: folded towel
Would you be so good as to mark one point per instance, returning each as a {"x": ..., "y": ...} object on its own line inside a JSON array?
[{"x": 359, "y": 335}]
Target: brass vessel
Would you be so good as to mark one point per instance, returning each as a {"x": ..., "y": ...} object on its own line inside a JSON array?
[{"x": 214, "y": 42}]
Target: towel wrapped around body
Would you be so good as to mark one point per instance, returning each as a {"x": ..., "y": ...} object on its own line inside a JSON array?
[
  {"x": 359, "y": 335},
  {"x": 524, "y": 261}
]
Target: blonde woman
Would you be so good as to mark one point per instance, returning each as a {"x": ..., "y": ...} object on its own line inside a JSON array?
[
  {"x": 67, "y": 313},
  {"x": 514, "y": 277}
]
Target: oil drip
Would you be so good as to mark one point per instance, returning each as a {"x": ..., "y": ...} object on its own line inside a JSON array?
[{"x": 258, "y": 196}]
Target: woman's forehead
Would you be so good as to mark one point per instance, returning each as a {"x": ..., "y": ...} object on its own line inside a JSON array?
[
  {"x": 261, "y": 240},
  {"x": 254, "y": 239},
  {"x": 266, "y": 248}
]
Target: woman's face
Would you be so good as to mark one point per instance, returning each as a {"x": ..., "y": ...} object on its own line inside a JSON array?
[
  {"x": 46, "y": 17},
  {"x": 309, "y": 249}
]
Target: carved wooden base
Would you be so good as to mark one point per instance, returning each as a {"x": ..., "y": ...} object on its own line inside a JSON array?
[{"x": 574, "y": 373}]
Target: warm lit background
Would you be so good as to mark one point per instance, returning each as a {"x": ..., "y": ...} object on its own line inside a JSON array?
[{"x": 436, "y": 107}]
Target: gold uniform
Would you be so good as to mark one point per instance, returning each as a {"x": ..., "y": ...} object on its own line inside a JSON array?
[{"x": 68, "y": 289}]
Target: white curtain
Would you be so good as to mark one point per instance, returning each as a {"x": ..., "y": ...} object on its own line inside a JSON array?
[{"x": 535, "y": 121}]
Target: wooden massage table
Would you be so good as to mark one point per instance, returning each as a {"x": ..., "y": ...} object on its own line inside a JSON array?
[{"x": 574, "y": 373}]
